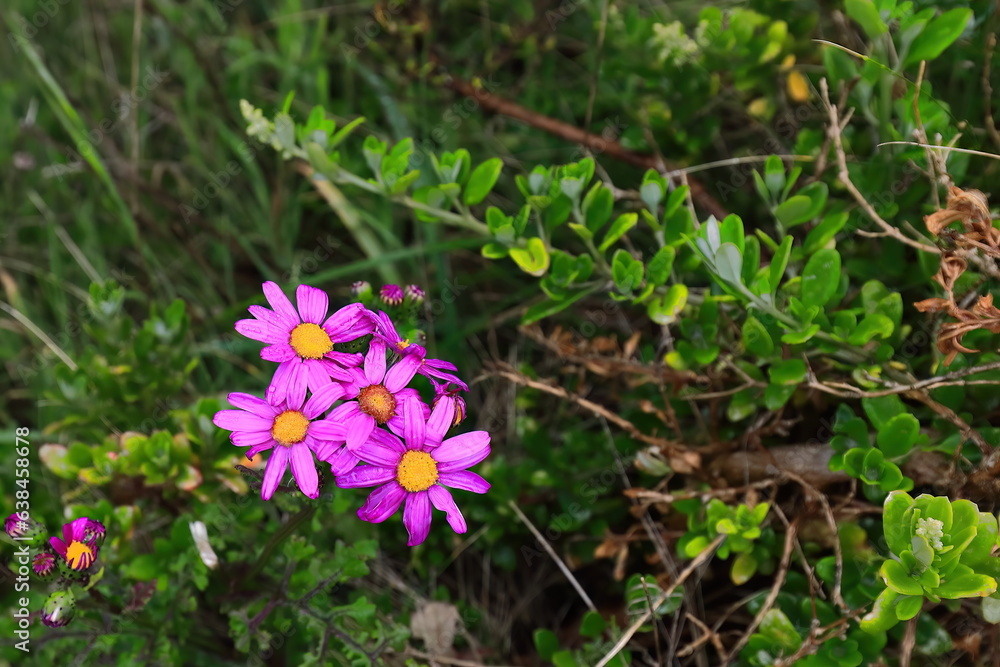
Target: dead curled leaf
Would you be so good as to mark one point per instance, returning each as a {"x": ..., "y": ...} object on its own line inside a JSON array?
[{"x": 971, "y": 208}]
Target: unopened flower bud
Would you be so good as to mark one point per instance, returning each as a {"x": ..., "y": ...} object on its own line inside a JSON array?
[
  {"x": 391, "y": 295},
  {"x": 59, "y": 609},
  {"x": 44, "y": 564},
  {"x": 361, "y": 288},
  {"x": 414, "y": 295},
  {"x": 23, "y": 528}
]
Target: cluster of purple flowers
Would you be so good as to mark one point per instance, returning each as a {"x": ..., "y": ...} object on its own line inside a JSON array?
[
  {"x": 356, "y": 412},
  {"x": 73, "y": 556}
]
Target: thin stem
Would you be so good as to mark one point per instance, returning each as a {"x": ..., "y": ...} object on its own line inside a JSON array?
[{"x": 305, "y": 514}]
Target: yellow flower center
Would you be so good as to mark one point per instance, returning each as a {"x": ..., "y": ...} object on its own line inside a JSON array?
[
  {"x": 310, "y": 341},
  {"x": 416, "y": 471},
  {"x": 79, "y": 555},
  {"x": 377, "y": 401},
  {"x": 403, "y": 344},
  {"x": 289, "y": 427}
]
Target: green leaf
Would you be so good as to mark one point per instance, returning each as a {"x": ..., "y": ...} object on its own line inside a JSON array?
[
  {"x": 898, "y": 435},
  {"x": 494, "y": 250},
  {"x": 938, "y": 36},
  {"x": 794, "y": 211},
  {"x": 776, "y": 627},
  {"x": 756, "y": 339},
  {"x": 626, "y": 271},
  {"x": 882, "y": 408},
  {"x": 899, "y": 579},
  {"x": 744, "y": 567},
  {"x": 799, "y": 337},
  {"x": 592, "y": 625},
  {"x": 729, "y": 263},
  {"x": 143, "y": 567},
  {"x": 776, "y": 395},
  {"x": 908, "y": 607},
  {"x": 821, "y": 277},
  {"x": 822, "y": 233},
  {"x": 751, "y": 259},
  {"x": 597, "y": 206},
  {"x": 867, "y": 16},
  {"x": 970, "y": 585},
  {"x": 547, "y": 643},
  {"x": 779, "y": 262},
  {"x": 564, "y": 659},
  {"x": 533, "y": 258},
  {"x": 658, "y": 269},
  {"x": 883, "y": 613},
  {"x": 788, "y": 372},
  {"x": 481, "y": 181},
  {"x": 619, "y": 227},
  {"x": 651, "y": 194},
  {"x": 664, "y": 310},
  {"x": 874, "y": 324}
]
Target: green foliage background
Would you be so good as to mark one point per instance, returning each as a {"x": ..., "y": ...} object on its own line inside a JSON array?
[{"x": 738, "y": 374}]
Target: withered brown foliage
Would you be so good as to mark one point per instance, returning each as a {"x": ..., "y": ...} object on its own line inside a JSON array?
[{"x": 971, "y": 208}]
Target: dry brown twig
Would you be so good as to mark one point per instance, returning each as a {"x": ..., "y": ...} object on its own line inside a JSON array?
[{"x": 835, "y": 128}]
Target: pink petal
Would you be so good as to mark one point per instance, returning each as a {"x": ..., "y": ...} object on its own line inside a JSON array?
[
  {"x": 280, "y": 303},
  {"x": 278, "y": 353},
  {"x": 382, "y": 503},
  {"x": 274, "y": 319},
  {"x": 250, "y": 439},
  {"x": 261, "y": 331},
  {"x": 375, "y": 362},
  {"x": 277, "y": 391},
  {"x": 345, "y": 321},
  {"x": 417, "y": 517},
  {"x": 58, "y": 545},
  {"x": 317, "y": 379},
  {"x": 322, "y": 399},
  {"x": 277, "y": 464},
  {"x": 402, "y": 372},
  {"x": 441, "y": 419},
  {"x": 313, "y": 303},
  {"x": 262, "y": 447},
  {"x": 341, "y": 460},
  {"x": 462, "y": 451},
  {"x": 251, "y": 403},
  {"x": 443, "y": 501},
  {"x": 238, "y": 420},
  {"x": 344, "y": 412},
  {"x": 382, "y": 449},
  {"x": 358, "y": 429},
  {"x": 414, "y": 427},
  {"x": 464, "y": 480},
  {"x": 304, "y": 469},
  {"x": 290, "y": 378},
  {"x": 366, "y": 476},
  {"x": 344, "y": 359},
  {"x": 327, "y": 430}
]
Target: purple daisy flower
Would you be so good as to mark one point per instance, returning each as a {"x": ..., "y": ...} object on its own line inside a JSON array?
[
  {"x": 287, "y": 429},
  {"x": 386, "y": 331},
  {"x": 301, "y": 341},
  {"x": 380, "y": 393},
  {"x": 44, "y": 563},
  {"x": 391, "y": 295},
  {"x": 443, "y": 393},
  {"x": 418, "y": 471},
  {"x": 77, "y": 545}
]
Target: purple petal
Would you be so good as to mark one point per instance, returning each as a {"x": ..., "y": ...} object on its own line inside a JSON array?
[
  {"x": 278, "y": 353},
  {"x": 441, "y": 419},
  {"x": 313, "y": 303},
  {"x": 280, "y": 303},
  {"x": 402, "y": 372},
  {"x": 277, "y": 464},
  {"x": 290, "y": 378},
  {"x": 58, "y": 545},
  {"x": 414, "y": 427},
  {"x": 382, "y": 503},
  {"x": 359, "y": 427},
  {"x": 77, "y": 528},
  {"x": 375, "y": 363},
  {"x": 462, "y": 451},
  {"x": 443, "y": 501},
  {"x": 341, "y": 460},
  {"x": 385, "y": 328},
  {"x": 382, "y": 449},
  {"x": 351, "y": 318},
  {"x": 274, "y": 319},
  {"x": 304, "y": 469},
  {"x": 464, "y": 480},
  {"x": 238, "y": 420},
  {"x": 261, "y": 331},
  {"x": 277, "y": 391},
  {"x": 250, "y": 439},
  {"x": 366, "y": 476},
  {"x": 344, "y": 359},
  {"x": 417, "y": 517},
  {"x": 321, "y": 400},
  {"x": 262, "y": 447},
  {"x": 251, "y": 403},
  {"x": 328, "y": 430}
]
